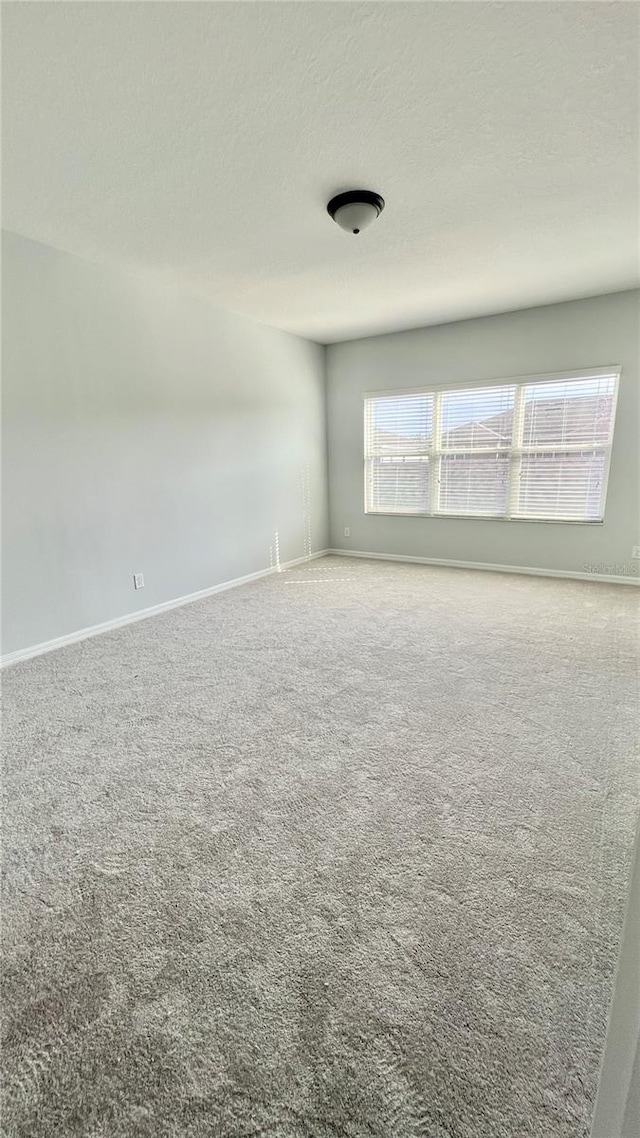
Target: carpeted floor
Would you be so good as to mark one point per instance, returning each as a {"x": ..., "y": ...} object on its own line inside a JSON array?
[{"x": 342, "y": 852}]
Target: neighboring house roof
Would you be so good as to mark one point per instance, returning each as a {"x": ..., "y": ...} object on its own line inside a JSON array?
[{"x": 580, "y": 420}]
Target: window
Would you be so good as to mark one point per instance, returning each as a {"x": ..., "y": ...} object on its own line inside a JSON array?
[{"x": 534, "y": 449}]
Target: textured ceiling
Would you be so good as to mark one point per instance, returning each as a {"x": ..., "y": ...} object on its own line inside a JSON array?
[{"x": 202, "y": 141}]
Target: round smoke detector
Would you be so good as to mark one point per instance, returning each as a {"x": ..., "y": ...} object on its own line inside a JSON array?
[{"x": 355, "y": 210}]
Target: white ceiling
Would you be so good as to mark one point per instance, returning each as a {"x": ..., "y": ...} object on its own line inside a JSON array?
[{"x": 203, "y": 140}]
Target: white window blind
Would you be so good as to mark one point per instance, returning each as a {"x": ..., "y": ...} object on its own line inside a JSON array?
[{"x": 532, "y": 449}]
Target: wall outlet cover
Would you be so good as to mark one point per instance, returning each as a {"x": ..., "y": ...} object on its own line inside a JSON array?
[
  {"x": 138, "y": 580},
  {"x": 347, "y": 531},
  {"x": 635, "y": 552}
]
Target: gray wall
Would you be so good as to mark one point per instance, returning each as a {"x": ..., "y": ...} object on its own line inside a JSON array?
[
  {"x": 579, "y": 334},
  {"x": 144, "y": 430},
  {"x": 617, "y": 1113}
]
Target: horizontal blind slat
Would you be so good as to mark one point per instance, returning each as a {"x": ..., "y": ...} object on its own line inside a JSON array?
[
  {"x": 401, "y": 484},
  {"x": 473, "y": 484},
  {"x": 478, "y": 417},
  {"x": 562, "y": 486}
]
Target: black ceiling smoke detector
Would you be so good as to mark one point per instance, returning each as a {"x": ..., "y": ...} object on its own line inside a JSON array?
[{"x": 355, "y": 210}]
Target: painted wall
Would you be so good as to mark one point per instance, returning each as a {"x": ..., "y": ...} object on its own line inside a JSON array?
[
  {"x": 579, "y": 334},
  {"x": 144, "y": 430}
]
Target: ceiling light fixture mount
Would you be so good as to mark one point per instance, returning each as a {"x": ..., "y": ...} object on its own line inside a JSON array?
[{"x": 354, "y": 210}]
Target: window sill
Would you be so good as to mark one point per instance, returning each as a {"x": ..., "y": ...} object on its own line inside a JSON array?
[{"x": 482, "y": 518}]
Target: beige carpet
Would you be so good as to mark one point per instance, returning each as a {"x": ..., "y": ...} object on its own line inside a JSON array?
[{"x": 342, "y": 852}]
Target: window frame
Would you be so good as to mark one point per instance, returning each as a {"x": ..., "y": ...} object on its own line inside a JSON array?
[{"x": 515, "y": 452}]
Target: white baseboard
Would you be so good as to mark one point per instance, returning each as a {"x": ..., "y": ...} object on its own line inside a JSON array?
[
  {"x": 165, "y": 606},
  {"x": 143, "y": 614},
  {"x": 527, "y": 570}
]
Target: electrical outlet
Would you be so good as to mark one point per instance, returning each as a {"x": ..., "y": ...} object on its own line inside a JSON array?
[
  {"x": 347, "y": 531},
  {"x": 635, "y": 552},
  {"x": 138, "y": 580}
]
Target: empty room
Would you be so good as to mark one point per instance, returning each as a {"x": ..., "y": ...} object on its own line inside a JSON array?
[{"x": 320, "y": 555}]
